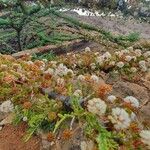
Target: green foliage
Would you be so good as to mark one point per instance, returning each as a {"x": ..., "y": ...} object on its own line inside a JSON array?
[
  {"x": 104, "y": 139},
  {"x": 4, "y": 22},
  {"x": 48, "y": 56},
  {"x": 117, "y": 39},
  {"x": 132, "y": 37},
  {"x": 34, "y": 124}
]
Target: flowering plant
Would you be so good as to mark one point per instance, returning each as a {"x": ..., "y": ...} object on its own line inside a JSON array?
[{"x": 45, "y": 94}]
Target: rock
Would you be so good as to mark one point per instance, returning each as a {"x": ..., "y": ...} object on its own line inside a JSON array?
[
  {"x": 46, "y": 145},
  {"x": 3, "y": 116},
  {"x": 7, "y": 120},
  {"x": 123, "y": 89},
  {"x": 145, "y": 115},
  {"x": 122, "y": 5},
  {"x": 87, "y": 145},
  {"x": 147, "y": 84}
]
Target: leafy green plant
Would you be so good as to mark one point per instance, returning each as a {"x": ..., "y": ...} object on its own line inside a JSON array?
[{"x": 18, "y": 17}]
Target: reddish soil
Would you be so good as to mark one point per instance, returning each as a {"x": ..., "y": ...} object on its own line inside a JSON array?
[{"x": 11, "y": 139}]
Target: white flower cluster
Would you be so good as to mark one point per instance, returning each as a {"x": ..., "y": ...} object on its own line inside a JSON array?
[
  {"x": 97, "y": 106},
  {"x": 93, "y": 66},
  {"x": 49, "y": 71},
  {"x": 142, "y": 65},
  {"x": 111, "y": 98},
  {"x": 133, "y": 60},
  {"x": 87, "y": 49},
  {"x": 53, "y": 63},
  {"x": 132, "y": 100},
  {"x": 120, "y": 64},
  {"x": 77, "y": 93},
  {"x": 133, "y": 69},
  {"x": 104, "y": 58},
  {"x": 146, "y": 54},
  {"x": 145, "y": 137},
  {"x": 94, "y": 78},
  {"x": 120, "y": 118},
  {"x": 25, "y": 119},
  {"x": 81, "y": 77},
  {"x": 60, "y": 82},
  {"x": 62, "y": 70},
  {"x": 6, "y": 107},
  {"x": 138, "y": 53}
]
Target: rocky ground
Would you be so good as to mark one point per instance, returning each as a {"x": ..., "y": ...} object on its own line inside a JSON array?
[
  {"x": 11, "y": 137},
  {"x": 116, "y": 25}
]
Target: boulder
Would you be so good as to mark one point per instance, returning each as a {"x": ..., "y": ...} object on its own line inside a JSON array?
[{"x": 123, "y": 89}]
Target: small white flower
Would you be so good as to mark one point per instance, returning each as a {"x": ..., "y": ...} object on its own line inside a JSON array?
[
  {"x": 6, "y": 106},
  {"x": 93, "y": 66},
  {"x": 132, "y": 100},
  {"x": 77, "y": 93},
  {"x": 145, "y": 135},
  {"x": 126, "y": 51},
  {"x": 87, "y": 49},
  {"x": 132, "y": 116},
  {"x": 128, "y": 58},
  {"x": 53, "y": 63},
  {"x": 69, "y": 54},
  {"x": 107, "y": 56},
  {"x": 25, "y": 119},
  {"x": 138, "y": 52},
  {"x": 70, "y": 72},
  {"x": 29, "y": 62},
  {"x": 120, "y": 64},
  {"x": 95, "y": 78},
  {"x": 120, "y": 118},
  {"x": 146, "y": 54},
  {"x": 142, "y": 63},
  {"x": 49, "y": 71},
  {"x": 60, "y": 82},
  {"x": 61, "y": 70},
  {"x": 111, "y": 98},
  {"x": 96, "y": 54},
  {"x": 42, "y": 66},
  {"x": 112, "y": 63},
  {"x": 133, "y": 69},
  {"x": 45, "y": 60},
  {"x": 134, "y": 58},
  {"x": 144, "y": 69},
  {"x": 130, "y": 49},
  {"x": 97, "y": 106},
  {"x": 148, "y": 62},
  {"x": 100, "y": 60},
  {"x": 3, "y": 66},
  {"x": 81, "y": 78}
]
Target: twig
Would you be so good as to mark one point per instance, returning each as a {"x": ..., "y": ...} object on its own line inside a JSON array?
[{"x": 72, "y": 121}]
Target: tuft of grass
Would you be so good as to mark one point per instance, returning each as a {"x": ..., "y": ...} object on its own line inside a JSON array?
[{"x": 49, "y": 56}]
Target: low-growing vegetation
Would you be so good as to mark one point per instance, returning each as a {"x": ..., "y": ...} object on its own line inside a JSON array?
[
  {"x": 69, "y": 89},
  {"x": 61, "y": 78}
]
